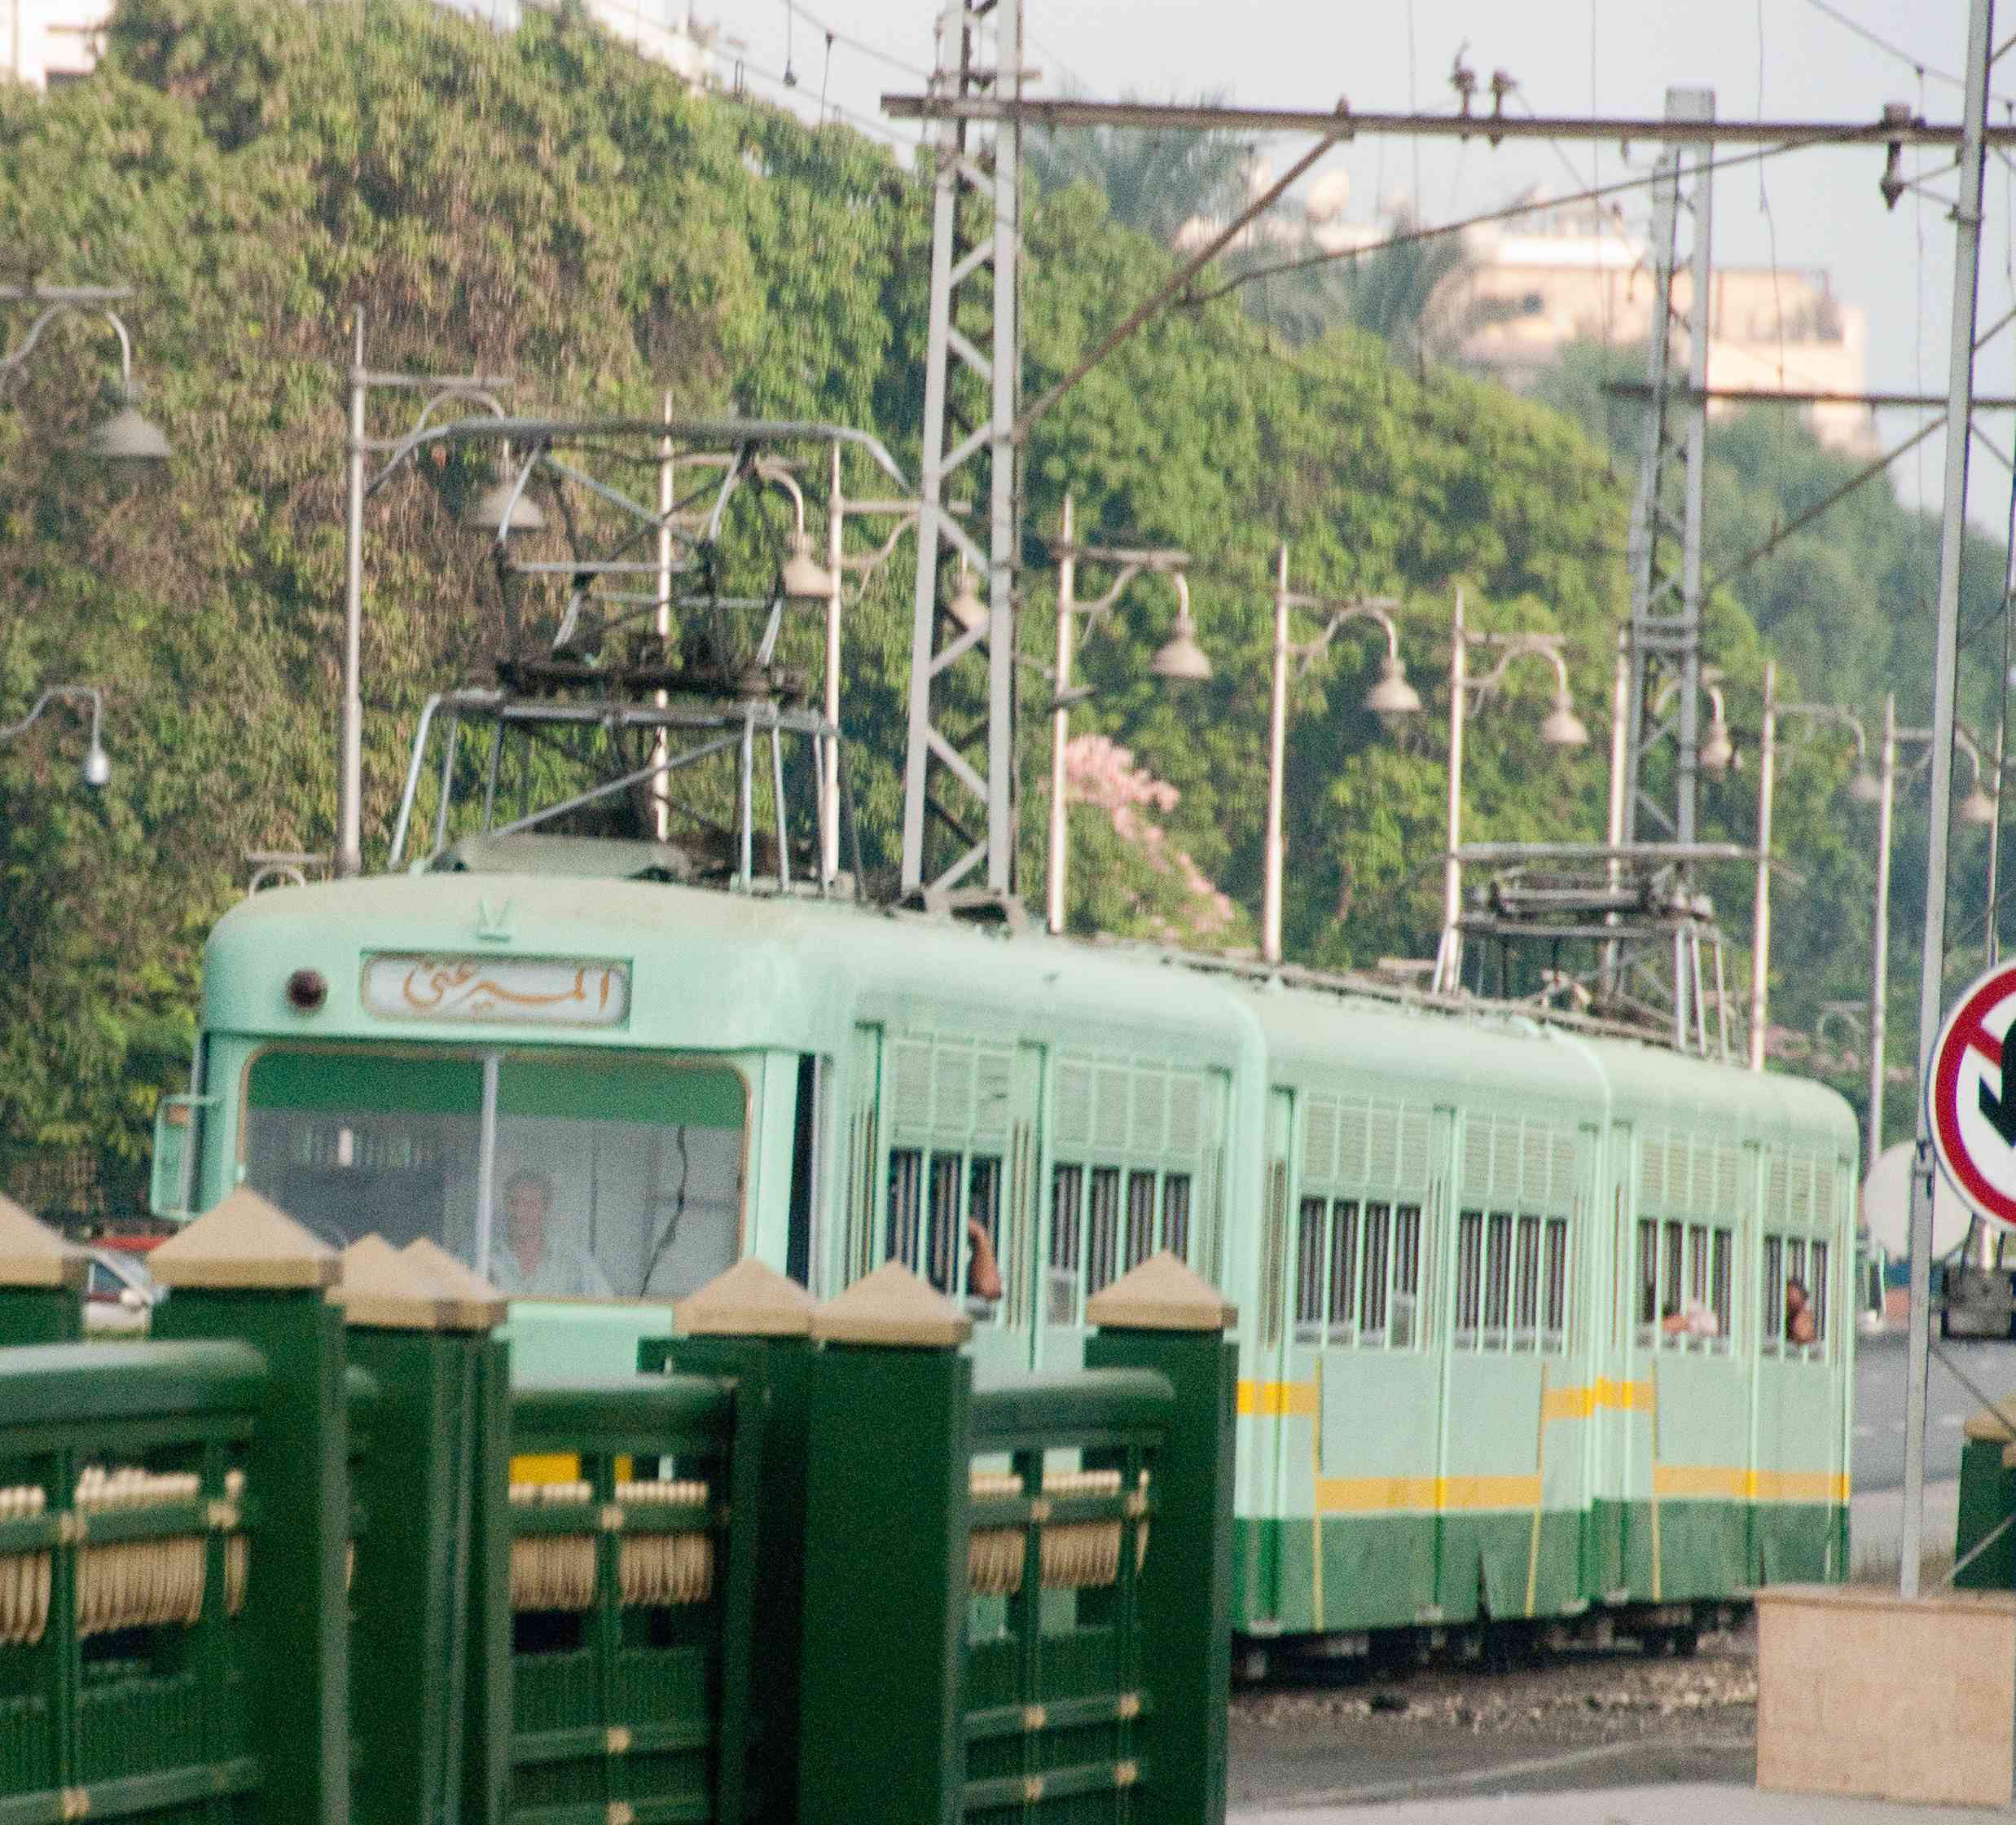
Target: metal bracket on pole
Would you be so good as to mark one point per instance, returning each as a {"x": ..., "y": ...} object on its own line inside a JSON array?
[{"x": 961, "y": 387}]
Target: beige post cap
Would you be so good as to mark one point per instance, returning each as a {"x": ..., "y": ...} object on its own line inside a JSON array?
[
  {"x": 474, "y": 1303},
  {"x": 892, "y": 1305},
  {"x": 33, "y": 1255},
  {"x": 383, "y": 1291},
  {"x": 245, "y": 1242},
  {"x": 751, "y": 1300},
  {"x": 1161, "y": 1294},
  {"x": 1996, "y": 1424}
]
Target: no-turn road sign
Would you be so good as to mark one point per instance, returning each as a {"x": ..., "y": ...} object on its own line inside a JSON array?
[{"x": 1970, "y": 1095}]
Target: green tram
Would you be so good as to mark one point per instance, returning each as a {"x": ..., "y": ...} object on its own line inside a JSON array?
[{"x": 1513, "y": 1297}]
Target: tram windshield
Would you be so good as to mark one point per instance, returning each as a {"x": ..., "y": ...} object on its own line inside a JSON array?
[{"x": 555, "y": 1178}]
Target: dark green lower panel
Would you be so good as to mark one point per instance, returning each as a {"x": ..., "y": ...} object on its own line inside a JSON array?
[{"x": 1397, "y": 1571}]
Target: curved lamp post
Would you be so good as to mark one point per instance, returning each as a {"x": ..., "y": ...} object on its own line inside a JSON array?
[
  {"x": 1560, "y": 727},
  {"x": 127, "y": 436},
  {"x": 1392, "y": 696},
  {"x": 97, "y": 768},
  {"x": 1179, "y": 660}
]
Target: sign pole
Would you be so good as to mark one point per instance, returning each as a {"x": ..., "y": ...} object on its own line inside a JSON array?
[{"x": 1959, "y": 416}]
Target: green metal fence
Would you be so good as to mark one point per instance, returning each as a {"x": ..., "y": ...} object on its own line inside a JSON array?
[{"x": 307, "y": 1554}]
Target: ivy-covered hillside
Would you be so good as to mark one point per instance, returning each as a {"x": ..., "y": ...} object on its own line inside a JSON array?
[{"x": 546, "y": 205}]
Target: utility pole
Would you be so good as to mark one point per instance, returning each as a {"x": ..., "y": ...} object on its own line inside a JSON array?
[
  {"x": 1931, "y": 985},
  {"x": 966, "y": 266}
]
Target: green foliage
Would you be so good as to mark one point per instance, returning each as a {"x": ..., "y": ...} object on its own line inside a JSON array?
[
  {"x": 547, "y": 206},
  {"x": 1153, "y": 182}
]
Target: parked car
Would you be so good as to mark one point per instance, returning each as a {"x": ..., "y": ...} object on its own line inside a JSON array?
[{"x": 119, "y": 1293}]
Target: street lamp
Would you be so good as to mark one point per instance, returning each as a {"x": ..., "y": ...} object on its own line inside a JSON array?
[
  {"x": 1180, "y": 660},
  {"x": 1392, "y": 696},
  {"x": 127, "y": 437},
  {"x": 1560, "y": 727},
  {"x": 97, "y": 768}
]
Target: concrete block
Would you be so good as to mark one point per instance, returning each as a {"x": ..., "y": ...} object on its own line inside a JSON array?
[{"x": 1859, "y": 1692}]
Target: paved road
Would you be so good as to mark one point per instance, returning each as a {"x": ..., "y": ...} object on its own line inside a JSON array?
[{"x": 1877, "y": 1458}]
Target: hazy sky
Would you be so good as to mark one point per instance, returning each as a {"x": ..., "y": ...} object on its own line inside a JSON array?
[{"x": 1781, "y": 57}]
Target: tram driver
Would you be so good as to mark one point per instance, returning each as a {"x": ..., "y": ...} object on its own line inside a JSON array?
[{"x": 532, "y": 1262}]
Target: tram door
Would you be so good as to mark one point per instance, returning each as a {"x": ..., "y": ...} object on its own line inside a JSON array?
[
  {"x": 1267, "y": 1468},
  {"x": 1623, "y": 1449}
]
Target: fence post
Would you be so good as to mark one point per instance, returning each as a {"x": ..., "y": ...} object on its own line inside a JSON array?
[
  {"x": 753, "y": 1324},
  {"x": 411, "y": 1640},
  {"x": 249, "y": 1272},
  {"x": 1164, "y": 1317},
  {"x": 881, "y": 1728},
  {"x": 42, "y": 1281},
  {"x": 487, "y": 1724}
]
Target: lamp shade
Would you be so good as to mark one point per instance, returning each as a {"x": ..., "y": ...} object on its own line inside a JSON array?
[
  {"x": 1718, "y": 750},
  {"x": 487, "y": 512},
  {"x": 1562, "y": 728},
  {"x": 1978, "y": 808},
  {"x": 97, "y": 768},
  {"x": 1865, "y": 788},
  {"x": 1181, "y": 660},
  {"x": 1393, "y": 696},
  {"x": 805, "y": 579},
  {"x": 965, "y": 607},
  {"x": 127, "y": 437}
]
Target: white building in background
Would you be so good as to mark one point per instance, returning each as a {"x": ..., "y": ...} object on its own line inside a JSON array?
[
  {"x": 1530, "y": 286},
  {"x": 46, "y": 43}
]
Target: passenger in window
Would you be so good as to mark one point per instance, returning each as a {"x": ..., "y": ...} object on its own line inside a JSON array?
[
  {"x": 1693, "y": 1319},
  {"x": 1799, "y": 1326},
  {"x": 983, "y": 1271},
  {"x": 533, "y": 1263}
]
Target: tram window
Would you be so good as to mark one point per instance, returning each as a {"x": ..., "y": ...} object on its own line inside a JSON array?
[
  {"x": 1816, "y": 1290},
  {"x": 1718, "y": 1284},
  {"x": 1469, "y": 1275},
  {"x": 1140, "y": 1218},
  {"x": 804, "y": 1128},
  {"x": 1372, "y": 1317},
  {"x": 1407, "y": 1275},
  {"x": 1670, "y": 1270},
  {"x": 1309, "y": 1251},
  {"x": 1554, "y": 1298},
  {"x": 1067, "y": 1231},
  {"x": 1697, "y": 1263},
  {"x": 1344, "y": 1271},
  {"x": 1526, "y": 1285},
  {"x": 1102, "y": 1246},
  {"x": 1771, "y": 1330},
  {"x": 607, "y": 1174},
  {"x": 906, "y": 1199},
  {"x": 1648, "y": 1276},
  {"x": 1497, "y": 1279},
  {"x": 942, "y": 1249},
  {"x": 1176, "y": 1213}
]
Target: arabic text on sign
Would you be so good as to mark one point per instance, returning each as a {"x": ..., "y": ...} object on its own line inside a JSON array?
[{"x": 537, "y": 991}]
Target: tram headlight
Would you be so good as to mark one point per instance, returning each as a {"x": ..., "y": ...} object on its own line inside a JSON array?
[{"x": 306, "y": 991}]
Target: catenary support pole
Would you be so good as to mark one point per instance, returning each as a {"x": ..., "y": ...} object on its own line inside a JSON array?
[
  {"x": 1614, "y": 820},
  {"x": 1760, "y": 922},
  {"x": 1879, "y": 937},
  {"x": 662, "y": 624},
  {"x": 829, "y": 782},
  {"x": 1060, "y": 733},
  {"x": 1277, "y": 762},
  {"x": 349, "y": 858},
  {"x": 1449, "y": 959},
  {"x": 1931, "y": 987}
]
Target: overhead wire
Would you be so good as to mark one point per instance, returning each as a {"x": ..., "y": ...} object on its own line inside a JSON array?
[
  {"x": 1509, "y": 212},
  {"x": 834, "y": 35}
]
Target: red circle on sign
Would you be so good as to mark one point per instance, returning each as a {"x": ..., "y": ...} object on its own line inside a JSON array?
[{"x": 1966, "y": 1031}]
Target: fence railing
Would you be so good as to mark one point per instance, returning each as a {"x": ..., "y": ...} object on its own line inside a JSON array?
[{"x": 306, "y": 1554}]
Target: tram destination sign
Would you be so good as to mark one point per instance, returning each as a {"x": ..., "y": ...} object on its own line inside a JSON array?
[
  {"x": 1970, "y": 1095},
  {"x": 516, "y": 991}
]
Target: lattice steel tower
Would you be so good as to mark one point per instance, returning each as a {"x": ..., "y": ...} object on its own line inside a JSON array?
[{"x": 959, "y": 786}]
